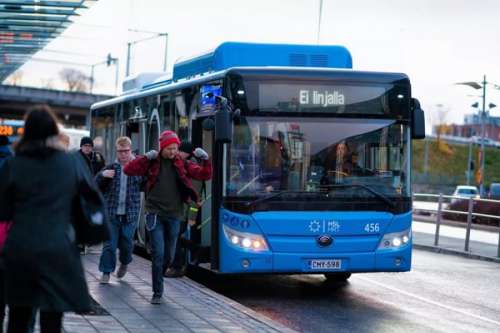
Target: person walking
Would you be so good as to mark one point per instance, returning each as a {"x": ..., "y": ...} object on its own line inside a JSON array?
[
  {"x": 123, "y": 198},
  {"x": 168, "y": 187},
  {"x": 95, "y": 161},
  {"x": 178, "y": 265},
  {"x": 5, "y": 152},
  {"x": 43, "y": 269}
]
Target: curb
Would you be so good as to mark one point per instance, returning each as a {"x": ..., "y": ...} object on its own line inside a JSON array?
[
  {"x": 249, "y": 312},
  {"x": 455, "y": 252}
]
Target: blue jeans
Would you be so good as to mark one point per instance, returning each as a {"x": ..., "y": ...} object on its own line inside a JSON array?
[
  {"x": 163, "y": 233},
  {"x": 121, "y": 237}
]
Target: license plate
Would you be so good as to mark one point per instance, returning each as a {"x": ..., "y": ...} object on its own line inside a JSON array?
[{"x": 325, "y": 264}]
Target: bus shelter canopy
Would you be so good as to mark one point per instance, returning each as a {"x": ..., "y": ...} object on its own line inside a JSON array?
[{"x": 27, "y": 26}]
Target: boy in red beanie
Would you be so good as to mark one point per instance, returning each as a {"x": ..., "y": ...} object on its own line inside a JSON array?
[{"x": 168, "y": 187}]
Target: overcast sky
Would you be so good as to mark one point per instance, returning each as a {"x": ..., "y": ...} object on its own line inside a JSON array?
[{"x": 436, "y": 42}]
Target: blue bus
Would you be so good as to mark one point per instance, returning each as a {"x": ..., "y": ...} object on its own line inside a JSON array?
[
  {"x": 11, "y": 128},
  {"x": 312, "y": 160}
]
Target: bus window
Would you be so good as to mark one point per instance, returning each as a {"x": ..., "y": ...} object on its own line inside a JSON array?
[
  {"x": 153, "y": 132},
  {"x": 165, "y": 114},
  {"x": 135, "y": 131},
  {"x": 136, "y": 127},
  {"x": 103, "y": 126},
  {"x": 181, "y": 115}
]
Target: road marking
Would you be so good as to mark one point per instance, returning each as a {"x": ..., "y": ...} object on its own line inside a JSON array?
[{"x": 426, "y": 300}]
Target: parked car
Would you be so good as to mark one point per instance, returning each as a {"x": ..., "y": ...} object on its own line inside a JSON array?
[
  {"x": 494, "y": 193},
  {"x": 480, "y": 207},
  {"x": 465, "y": 191},
  {"x": 479, "y": 140}
]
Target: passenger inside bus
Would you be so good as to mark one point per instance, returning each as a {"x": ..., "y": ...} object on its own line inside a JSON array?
[{"x": 338, "y": 164}]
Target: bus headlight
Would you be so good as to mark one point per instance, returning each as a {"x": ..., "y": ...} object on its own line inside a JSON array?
[
  {"x": 395, "y": 240},
  {"x": 245, "y": 240}
]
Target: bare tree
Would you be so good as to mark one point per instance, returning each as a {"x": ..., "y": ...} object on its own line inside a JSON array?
[
  {"x": 16, "y": 78},
  {"x": 74, "y": 79}
]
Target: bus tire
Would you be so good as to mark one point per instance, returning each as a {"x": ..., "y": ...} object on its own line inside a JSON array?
[{"x": 337, "y": 277}]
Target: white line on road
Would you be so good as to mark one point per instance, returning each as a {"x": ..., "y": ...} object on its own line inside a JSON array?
[{"x": 426, "y": 300}]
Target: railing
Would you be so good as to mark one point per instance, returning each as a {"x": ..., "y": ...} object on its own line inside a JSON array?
[{"x": 470, "y": 214}]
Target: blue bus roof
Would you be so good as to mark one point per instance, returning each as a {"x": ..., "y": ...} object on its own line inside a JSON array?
[{"x": 234, "y": 54}]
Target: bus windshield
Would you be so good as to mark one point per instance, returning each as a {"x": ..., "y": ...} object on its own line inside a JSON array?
[{"x": 272, "y": 157}]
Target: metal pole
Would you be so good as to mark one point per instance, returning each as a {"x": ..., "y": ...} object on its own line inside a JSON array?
[
  {"x": 469, "y": 160},
  {"x": 319, "y": 20},
  {"x": 438, "y": 219},
  {"x": 127, "y": 68},
  {"x": 165, "y": 60},
  {"x": 498, "y": 250},
  {"x": 469, "y": 224},
  {"x": 481, "y": 190},
  {"x": 91, "y": 78},
  {"x": 117, "y": 64}
]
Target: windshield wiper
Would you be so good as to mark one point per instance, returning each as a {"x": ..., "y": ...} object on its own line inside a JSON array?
[
  {"x": 274, "y": 195},
  {"x": 368, "y": 188}
]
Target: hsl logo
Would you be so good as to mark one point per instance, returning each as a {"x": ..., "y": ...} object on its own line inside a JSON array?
[{"x": 317, "y": 226}]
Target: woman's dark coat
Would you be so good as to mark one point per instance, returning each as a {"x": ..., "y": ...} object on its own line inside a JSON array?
[{"x": 42, "y": 263}]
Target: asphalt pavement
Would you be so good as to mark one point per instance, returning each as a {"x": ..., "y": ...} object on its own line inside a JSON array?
[{"x": 443, "y": 293}]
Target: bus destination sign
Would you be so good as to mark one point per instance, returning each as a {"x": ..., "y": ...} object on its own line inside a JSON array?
[{"x": 323, "y": 98}]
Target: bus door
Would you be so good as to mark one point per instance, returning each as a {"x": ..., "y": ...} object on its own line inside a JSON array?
[
  {"x": 202, "y": 233},
  {"x": 137, "y": 129},
  {"x": 152, "y": 136}
]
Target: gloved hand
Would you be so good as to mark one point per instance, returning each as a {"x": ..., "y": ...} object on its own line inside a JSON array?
[
  {"x": 108, "y": 173},
  {"x": 152, "y": 154},
  {"x": 200, "y": 153}
]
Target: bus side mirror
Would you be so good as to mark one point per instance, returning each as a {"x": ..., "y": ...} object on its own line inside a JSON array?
[
  {"x": 417, "y": 120},
  {"x": 223, "y": 126}
]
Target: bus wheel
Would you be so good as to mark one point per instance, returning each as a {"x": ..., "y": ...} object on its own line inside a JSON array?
[{"x": 337, "y": 277}]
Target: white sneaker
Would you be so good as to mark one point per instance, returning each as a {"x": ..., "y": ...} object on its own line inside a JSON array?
[{"x": 104, "y": 278}]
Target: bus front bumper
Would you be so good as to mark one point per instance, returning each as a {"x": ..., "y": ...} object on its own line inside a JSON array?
[{"x": 387, "y": 260}]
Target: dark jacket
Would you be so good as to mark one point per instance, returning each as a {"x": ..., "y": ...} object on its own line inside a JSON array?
[
  {"x": 111, "y": 190},
  {"x": 141, "y": 166},
  {"x": 42, "y": 263},
  {"x": 95, "y": 161},
  {"x": 4, "y": 154}
]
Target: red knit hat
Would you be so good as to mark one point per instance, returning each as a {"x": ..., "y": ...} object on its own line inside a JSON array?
[{"x": 167, "y": 138}]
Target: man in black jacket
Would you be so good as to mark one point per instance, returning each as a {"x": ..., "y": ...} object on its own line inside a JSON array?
[{"x": 95, "y": 161}]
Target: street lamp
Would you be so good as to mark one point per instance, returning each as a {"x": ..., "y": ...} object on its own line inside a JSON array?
[
  {"x": 481, "y": 85},
  {"x": 156, "y": 35},
  {"x": 109, "y": 61}
]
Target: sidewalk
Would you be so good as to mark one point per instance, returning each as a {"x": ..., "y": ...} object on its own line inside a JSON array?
[
  {"x": 483, "y": 244},
  {"x": 187, "y": 307}
]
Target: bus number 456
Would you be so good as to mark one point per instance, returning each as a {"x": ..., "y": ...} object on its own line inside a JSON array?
[{"x": 372, "y": 227}]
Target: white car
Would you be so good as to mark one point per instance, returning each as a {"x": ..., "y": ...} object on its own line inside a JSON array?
[{"x": 465, "y": 191}]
